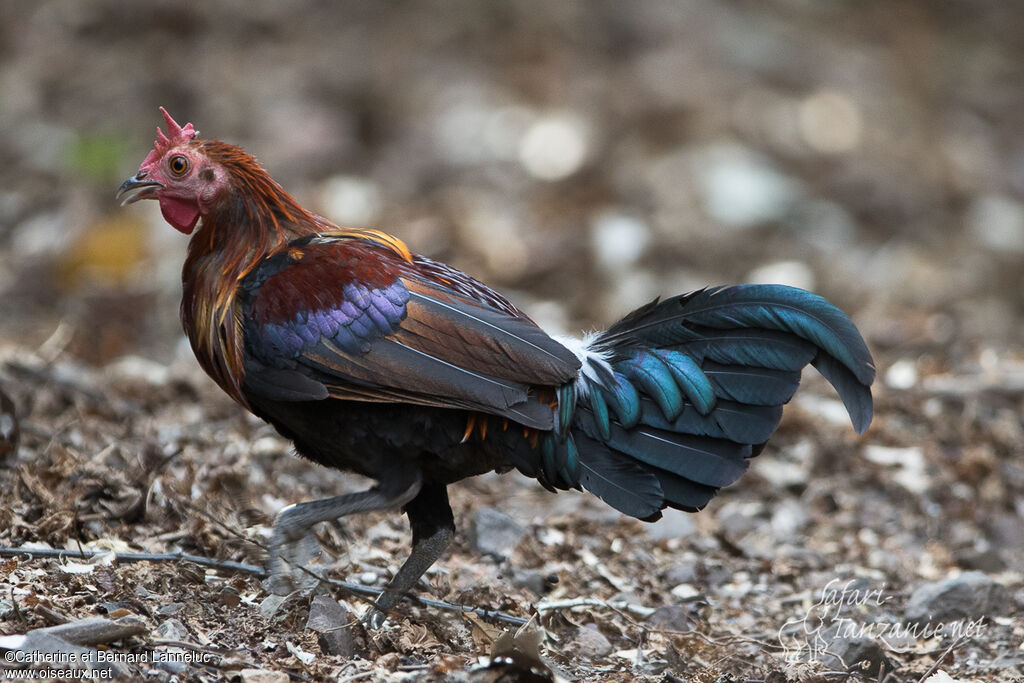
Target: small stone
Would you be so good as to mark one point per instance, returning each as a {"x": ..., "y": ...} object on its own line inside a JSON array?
[
  {"x": 9, "y": 431},
  {"x": 136, "y": 369},
  {"x": 908, "y": 465},
  {"x": 1007, "y": 531},
  {"x": 738, "y": 519},
  {"x": 334, "y": 624},
  {"x": 262, "y": 676},
  {"x": 686, "y": 592},
  {"x": 683, "y": 572},
  {"x": 339, "y": 642},
  {"x": 589, "y": 643},
  {"x": 172, "y": 629},
  {"x": 856, "y": 654},
  {"x": 742, "y": 188},
  {"x": 997, "y": 222},
  {"x": 673, "y": 524},
  {"x": 967, "y": 597},
  {"x": 941, "y": 676},
  {"x": 902, "y": 374},
  {"x": 270, "y": 605},
  {"x": 494, "y": 533},
  {"x": 326, "y": 613},
  {"x": 555, "y": 146},
  {"x": 351, "y": 200},
  {"x": 619, "y": 240},
  {"x": 229, "y": 597},
  {"x": 531, "y": 580},
  {"x": 792, "y": 273},
  {"x": 789, "y": 518},
  {"x": 671, "y": 618},
  {"x": 987, "y": 560}
]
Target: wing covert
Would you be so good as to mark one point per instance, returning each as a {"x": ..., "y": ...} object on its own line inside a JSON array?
[{"x": 347, "y": 319}]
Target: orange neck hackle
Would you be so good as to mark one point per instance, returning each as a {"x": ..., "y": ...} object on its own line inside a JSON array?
[{"x": 255, "y": 219}]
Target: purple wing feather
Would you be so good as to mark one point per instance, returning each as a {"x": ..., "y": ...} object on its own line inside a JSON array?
[{"x": 353, "y": 319}]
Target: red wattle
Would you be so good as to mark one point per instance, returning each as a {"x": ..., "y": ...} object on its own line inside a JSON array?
[{"x": 181, "y": 214}]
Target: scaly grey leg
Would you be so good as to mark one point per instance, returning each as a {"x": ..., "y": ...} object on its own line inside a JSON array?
[
  {"x": 293, "y": 547},
  {"x": 433, "y": 526}
]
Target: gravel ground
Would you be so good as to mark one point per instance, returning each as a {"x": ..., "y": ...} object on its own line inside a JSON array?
[{"x": 584, "y": 158}]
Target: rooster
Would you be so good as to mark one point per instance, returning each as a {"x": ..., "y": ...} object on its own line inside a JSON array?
[{"x": 375, "y": 360}]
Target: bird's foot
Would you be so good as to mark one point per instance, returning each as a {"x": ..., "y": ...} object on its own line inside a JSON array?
[
  {"x": 374, "y": 618},
  {"x": 294, "y": 564},
  {"x": 378, "y": 612}
]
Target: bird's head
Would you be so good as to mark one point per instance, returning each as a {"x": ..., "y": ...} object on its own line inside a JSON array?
[{"x": 180, "y": 175}]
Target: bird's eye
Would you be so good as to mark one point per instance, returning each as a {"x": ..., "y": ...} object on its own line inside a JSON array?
[{"x": 178, "y": 165}]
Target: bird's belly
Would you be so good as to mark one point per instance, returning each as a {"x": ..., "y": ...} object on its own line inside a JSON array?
[{"x": 379, "y": 440}]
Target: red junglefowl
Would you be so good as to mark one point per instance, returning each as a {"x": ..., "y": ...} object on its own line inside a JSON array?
[{"x": 382, "y": 362}]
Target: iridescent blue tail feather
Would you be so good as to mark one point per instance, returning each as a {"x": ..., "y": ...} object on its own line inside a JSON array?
[{"x": 673, "y": 400}]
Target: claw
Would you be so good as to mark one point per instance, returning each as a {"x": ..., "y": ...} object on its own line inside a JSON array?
[{"x": 374, "y": 618}]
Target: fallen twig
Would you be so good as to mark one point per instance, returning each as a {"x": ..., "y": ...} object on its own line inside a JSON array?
[
  {"x": 96, "y": 630},
  {"x": 59, "y": 554},
  {"x": 952, "y": 646},
  {"x": 638, "y": 610}
]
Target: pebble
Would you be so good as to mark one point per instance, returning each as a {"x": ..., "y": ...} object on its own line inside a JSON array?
[
  {"x": 333, "y": 622},
  {"x": 789, "y": 518},
  {"x": 1007, "y": 530},
  {"x": 969, "y": 596},
  {"x": 589, "y": 643},
  {"x": 855, "y": 654},
  {"x": 350, "y": 200},
  {"x": 263, "y": 676},
  {"x": 997, "y": 222},
  {"x": 671, "y": 618},
  {"x": 134, "y": 368},
  {"x": 554, "y": 147},
  {"x": 987, "y": 560},
  {"x": 9, "y": 432},
  {"x": 686, "y": 592},
  {"x": 533, "y": 581},
  {"x": 494, "y": 533},
  {"x": 682, "y": 572},
  {"x": 902, "y": 374},
  {"x": 170, "y": 609},
  {"x": 908, "y": 463},
  {"x": 619, "y": 240},
  {"x": 743, "y": 189},
  {"x": 792, "y": 273},
  {"x": 270, "y": 605},
  {"x": 172, "y": 629},
  {"x": 673, "y": 524}
]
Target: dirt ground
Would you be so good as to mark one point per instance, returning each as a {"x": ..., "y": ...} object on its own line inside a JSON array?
[{"x": 583, "y": 158}]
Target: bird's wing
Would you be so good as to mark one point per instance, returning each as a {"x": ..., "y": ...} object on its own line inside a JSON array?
[{"x": 348, "y": 318}]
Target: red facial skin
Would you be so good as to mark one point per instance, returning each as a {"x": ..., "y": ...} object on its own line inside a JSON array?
[
  {"x": 191, "y": 185},
  {"x": 187, "y": 184}
]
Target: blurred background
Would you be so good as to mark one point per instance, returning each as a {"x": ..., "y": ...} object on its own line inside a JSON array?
[{"x": 583, "y": 157}]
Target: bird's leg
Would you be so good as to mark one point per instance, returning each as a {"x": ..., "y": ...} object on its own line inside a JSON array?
[
  {"x": 293, "y": 546},
  {"x": 433, "y": 526}
]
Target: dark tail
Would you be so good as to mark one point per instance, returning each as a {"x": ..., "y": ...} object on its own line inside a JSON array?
[{"x": 673, "y": 400}]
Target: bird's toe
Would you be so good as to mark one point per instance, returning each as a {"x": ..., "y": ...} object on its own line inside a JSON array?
[{"x": 374, "y": 618}]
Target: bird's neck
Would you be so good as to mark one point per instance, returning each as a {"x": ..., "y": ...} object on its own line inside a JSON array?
[{"x": 256, "y": 220}]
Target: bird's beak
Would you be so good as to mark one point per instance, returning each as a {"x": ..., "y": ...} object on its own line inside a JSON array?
[{"x": 136, "y": 188}]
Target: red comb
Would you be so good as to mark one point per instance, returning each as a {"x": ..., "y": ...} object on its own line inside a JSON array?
[{"x": 177, "y": 135}]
